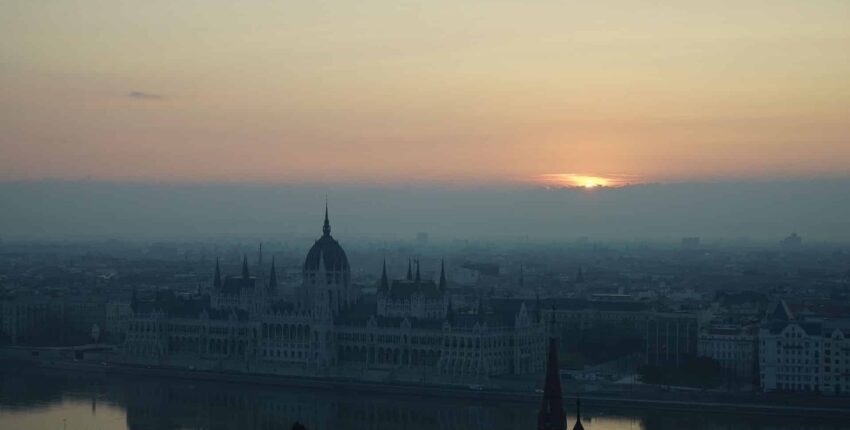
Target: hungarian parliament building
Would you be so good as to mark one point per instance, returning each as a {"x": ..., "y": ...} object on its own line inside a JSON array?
[{"x": 329, "y": 327}]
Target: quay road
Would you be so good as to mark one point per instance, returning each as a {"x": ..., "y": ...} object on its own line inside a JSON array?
[{"x": 709, "y": 402}]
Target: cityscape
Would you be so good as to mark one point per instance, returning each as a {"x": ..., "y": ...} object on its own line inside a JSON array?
[{"x": 451, "y": 215}]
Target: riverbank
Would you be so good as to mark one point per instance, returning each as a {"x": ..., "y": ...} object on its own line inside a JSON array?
[{"x": 710, "y": 402}]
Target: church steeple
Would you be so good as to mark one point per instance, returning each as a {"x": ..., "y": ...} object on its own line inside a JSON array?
[
  {"x": 260, "y": 256},
  {"x": 443, "y": 282},
  {"x": 273, "y": 278},
  {"x": 578, "y": 425},
  {"x": 326, "y": 228},
  {"x": 418, "y": 278},
  {"x": 217, "y": 277},
  {"x": 245, "y": 273},
  {"x": 385, "y": 283},
  {"x": 409, "y": 269},
  {"x": 551, "y": 415},
  {"x": 521, "y": 277}
]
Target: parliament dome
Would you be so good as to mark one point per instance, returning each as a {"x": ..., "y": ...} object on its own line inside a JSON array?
[{"x": 326, "y": 251}]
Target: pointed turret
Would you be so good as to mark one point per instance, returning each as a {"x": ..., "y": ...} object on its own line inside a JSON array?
[
  {"x": 385, "y": 283},
  {"x": 443, "y": 283},
  {"x": 409, "y": 269},
  {"x": 521, "y": 277},
  {"x": 217, "y": 277},
  {"x": 245, "y": 273},
  {"x": 450, "y": 313},
  {"x": 418, "y": 278},
  {"x": 273, "y": 278},
  {"x": 578, "y": 425},
  {"x": 326, "y": 228},
  {"x": 551, "y": 415},
  {"x": 260, "y": 256}
]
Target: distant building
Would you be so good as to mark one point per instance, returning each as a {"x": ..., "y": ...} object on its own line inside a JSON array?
[
  {"x": 806, "y": 347},
  {"x": 792, "y": 241},
  {"x": 735, "y": 347},
  {"x": 408, "y": 327}
]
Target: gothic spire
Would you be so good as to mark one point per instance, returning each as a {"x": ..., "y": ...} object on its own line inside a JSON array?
[
  {"x": 417, "y": 272},
  {"x": 217, "y": 277},
  {"x": 273, "y": 277},
  {"x": 521, "y": 277},
  {"x": 409, "y": 269},
  {"x": 551, "y": 415},
  {"x": 326, "y": 229},
  {"x": 260, "y": 256},
  {"x": 245, "y": 273},
  {"x": 578, "y": 425},
  {"x": 443, "y": 282},
  {"x": 385, "y": 283}
]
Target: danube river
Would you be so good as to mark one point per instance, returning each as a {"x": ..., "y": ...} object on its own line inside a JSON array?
[{"x": 35, "y": 399}]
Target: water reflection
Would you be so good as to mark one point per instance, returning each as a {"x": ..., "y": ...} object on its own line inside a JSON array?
[{"x": 42, "y": 400}]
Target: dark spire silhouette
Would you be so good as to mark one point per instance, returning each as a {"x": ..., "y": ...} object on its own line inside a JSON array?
[
  {"x": 443, "y": 282},
  {"x": 385, "y": 283},
  {"x": 260, "y": 256},
  {"x": 217, "y": 277},
  {"x": 326, "y": 228},
  {"x": 245, "y": 273},
  {"x": 551, "y": 415},
  {"x": 418, "y": 278},
  {"x": 521, "y": 277},
  {"x": 409, "y": 269},
  {"x": 578, "y": 425},
  {"x": 273, "y": 277}
]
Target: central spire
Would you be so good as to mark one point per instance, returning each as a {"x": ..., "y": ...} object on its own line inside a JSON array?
[
  {"x": 326, "y": 229},
  {"x": 551, "y": 415}
]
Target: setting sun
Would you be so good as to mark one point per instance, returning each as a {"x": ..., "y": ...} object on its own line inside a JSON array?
[{"x": 575, "y": 180}]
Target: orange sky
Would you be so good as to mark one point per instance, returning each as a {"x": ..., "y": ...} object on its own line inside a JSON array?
[{"x": 387, "y": 91}]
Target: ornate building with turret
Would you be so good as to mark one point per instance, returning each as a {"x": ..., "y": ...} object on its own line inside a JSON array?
[{"x": 329, "y": 327}]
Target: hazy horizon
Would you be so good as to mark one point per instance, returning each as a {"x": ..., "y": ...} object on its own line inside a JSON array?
[{"x": 817, "y": 209}]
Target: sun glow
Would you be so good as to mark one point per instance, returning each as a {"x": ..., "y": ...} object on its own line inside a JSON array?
[{"x": 574, "y": 180}]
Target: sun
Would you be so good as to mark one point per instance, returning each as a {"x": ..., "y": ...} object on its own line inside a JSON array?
[
  {"x": 592, "y": 182},
  {"x": 578, "y": 181}
]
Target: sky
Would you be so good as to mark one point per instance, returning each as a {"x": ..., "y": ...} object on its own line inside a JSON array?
[{"x": 438, "y": 91}]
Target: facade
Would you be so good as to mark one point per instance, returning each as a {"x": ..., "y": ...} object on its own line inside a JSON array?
[
  {"x": 734, "y": 347},
  {"x": 668, "y": 337},
  {"x": 35, "y": 315},
  {"x": 407, "y": 328},
  {"x": 800, "y": 351}
]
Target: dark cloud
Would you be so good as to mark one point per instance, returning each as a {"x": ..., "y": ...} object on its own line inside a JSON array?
[{"x": 141, "y": 95}]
